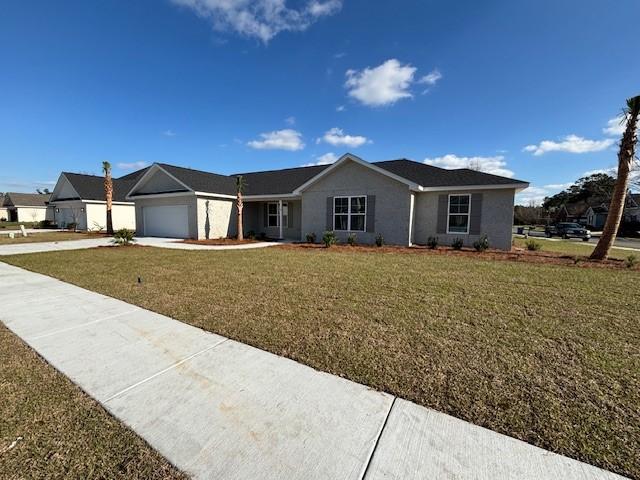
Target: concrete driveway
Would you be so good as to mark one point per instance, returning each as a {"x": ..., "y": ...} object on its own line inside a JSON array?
[{"x": 220, "y": 409}]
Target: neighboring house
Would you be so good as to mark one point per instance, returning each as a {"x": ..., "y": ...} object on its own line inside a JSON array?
[
  {"x": 25, "y": 207},
  {"x": 4, "y": 213},
  {"x": 404, "y": 201},
  {"x": 597, "y": 216},
  {"x": 573, "y": 212},
  {"x": 80, "y": 199}
]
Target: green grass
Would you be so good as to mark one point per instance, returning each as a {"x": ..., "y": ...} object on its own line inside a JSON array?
[
  {"x": 59, "y": 431},
  {"x": 45, "y": 237},
  {"x": 572, "y": 247},
  {"x": 544, "y": 353}
]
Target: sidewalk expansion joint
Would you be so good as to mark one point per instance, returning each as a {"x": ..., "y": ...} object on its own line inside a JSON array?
[
  {"x": 375, "y": 445},
  {"x": 75, "y": 327}
]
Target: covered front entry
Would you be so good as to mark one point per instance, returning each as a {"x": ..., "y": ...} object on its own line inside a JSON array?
[
  {"x": 277, "y": 218},
  {"x": 171, "y": 221}
]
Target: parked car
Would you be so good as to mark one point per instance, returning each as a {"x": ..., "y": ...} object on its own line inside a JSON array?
[{"x": 568, "y": 230}]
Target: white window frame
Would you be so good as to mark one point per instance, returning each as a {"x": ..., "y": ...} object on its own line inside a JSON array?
[
  {"x": 468, "y": 214},
  {"x": 285, "y": 214},
  {"x": 349, "y": 214}
]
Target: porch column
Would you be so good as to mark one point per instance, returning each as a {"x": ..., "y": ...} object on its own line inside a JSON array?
[{"x": 281, "y": 236}]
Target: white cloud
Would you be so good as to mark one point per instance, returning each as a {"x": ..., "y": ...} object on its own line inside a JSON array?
[
  {"x": 340, "y": 108},
  {"x": 131, "y": 165},
  {"x": 381, "y": 85},
  {"x": 339, "y": 55},
  {"x": 535, "y": 195},
  {"x": 326, "y": 159},
  {"x": 430, "y": 79},
  {"x": 290, "y": 120},
  {"x": 286, "y": 139},
  {"x": 261, "y": 19},
  {"x": 495, "y": 165},
  {"x": 338, "y": 138},
  {"x": 571, "y": 144},
  {"x": 169, "y": 133},
  {"x": 615, "y": 127}
]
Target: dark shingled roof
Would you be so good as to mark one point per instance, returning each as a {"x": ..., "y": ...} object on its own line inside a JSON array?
[
  {"x": 91, "y": 187},
  {"x": 25, "y": 199},
  {"x": 279, "y": 182},
  {"x": 201, "y": 181}
]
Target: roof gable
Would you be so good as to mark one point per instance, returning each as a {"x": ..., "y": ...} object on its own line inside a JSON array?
[
  {"x": 16, "y": 199},
  {"x": 91, "y": 187}
]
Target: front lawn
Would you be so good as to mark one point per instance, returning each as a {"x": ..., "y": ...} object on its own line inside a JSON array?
[
  {"x": 572, "y": 247},
  {"x": 50, "y": 429},
  {"x": 545, "y": 353},
  {"x": 46, "y": 237}
]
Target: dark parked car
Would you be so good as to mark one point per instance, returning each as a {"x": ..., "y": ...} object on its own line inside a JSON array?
[{"x": 568, "y": 230}]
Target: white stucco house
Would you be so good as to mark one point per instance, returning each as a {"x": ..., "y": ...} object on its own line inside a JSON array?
[
  {"x": 25, "y": 207},
  {"x": 404, "y": 201},
  {"x": 80, "y": 199}
]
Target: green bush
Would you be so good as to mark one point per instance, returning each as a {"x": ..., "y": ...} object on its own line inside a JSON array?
[
  {"x": 432, "y": 242},
  {"x": 533, "y": 245},
  {"x": 123, "y": 237},
  {"x": 251, "y": 235},
  {"x": 311, "y": 237},
  {"x": 379, "y": 240},
  {"x": 481, "y": 244},
  {"x": 45, "y": 224},
  {"x": 72, "y": 226},
  {"x": 631, "y": 261},
  {"x": 329, "y": 238},
  {"x": 457, "y": 243},
  {"x": 351, "y": 239}
]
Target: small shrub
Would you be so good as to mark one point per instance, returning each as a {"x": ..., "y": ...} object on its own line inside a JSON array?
[
  {"x": 432, "y": 242},
  {"x": 123, "y": 237},
  {"x": 72, "y": 226},
  {"x": 3, "y": 219},
  {"x": 329, "y": 238},
  {"x": 631, "y": 261},
  {"x": 457, "y": 243},
  {"x": 251, "y": 235},
  {"x": 311, "y": 237},
  {"x": 533, "y": 245},
  {"x": 351, "y": 239},
  {"x": 481, "y": 244},
  {"x": 262, "y": 236},
  {"x": 379, "y": 240},
  {"x": 45, "y": 224}
]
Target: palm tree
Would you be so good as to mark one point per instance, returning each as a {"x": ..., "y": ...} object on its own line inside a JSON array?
[
  {"x": 108, "y": 195},
  {"x": 240, "y": 184},
  {"x": 626, "y": 156}
]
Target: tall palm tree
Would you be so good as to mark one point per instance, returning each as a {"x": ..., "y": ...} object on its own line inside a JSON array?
[
  {"x": 626, "y": 156},
  {"x": 240, "y": 184},
  {"x": 108, "y": 195}
]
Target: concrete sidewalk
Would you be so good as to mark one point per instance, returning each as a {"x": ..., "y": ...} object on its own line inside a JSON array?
[
  {"x": 172, "y": 243},
  {"x": 220, "y": 409}
]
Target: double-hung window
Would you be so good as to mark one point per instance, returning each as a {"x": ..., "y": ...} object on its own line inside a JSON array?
[
  {"x": 273, "y": 219},
  {"x": 458, "y": 211},
  {"x": 349, "y": 213}
]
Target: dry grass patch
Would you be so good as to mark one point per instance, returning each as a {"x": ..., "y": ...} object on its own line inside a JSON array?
[
  {"x": 545, "y": 353},
  {"x": 59, "y": 432},
  {"x": 47, "y": 237}
]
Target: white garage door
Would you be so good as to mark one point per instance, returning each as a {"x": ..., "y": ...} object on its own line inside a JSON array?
[{"x": 171, "y": 221}]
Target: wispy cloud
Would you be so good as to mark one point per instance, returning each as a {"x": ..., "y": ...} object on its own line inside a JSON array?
[
  {"x": 261, "y": 19},
  {"x": 286, "y": 139},
  {"x": 290, "y": 120},
  {"x": 385, "y": 84},
  {"x": 569, "y": 144},
  {"x": 430, "y": 80},
  {"x": 169, "y": 133},
  {"x": 535, "y": 195},
  {"x": 131, "y": 165},
  {"x": 337, "y": 138},
  {"x": 326, "y": 159},
  {"x": 496, "y": 165},
  {"x": 340, "y": 108}
]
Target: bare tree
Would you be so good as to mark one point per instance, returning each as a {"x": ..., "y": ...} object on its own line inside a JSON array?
[{"x": 626, "y": 157}]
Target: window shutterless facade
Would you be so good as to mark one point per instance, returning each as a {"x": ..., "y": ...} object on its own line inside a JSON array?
[
  {"x": 350, "y": 213},
  {"x": 273, "y": 217},
  {"x": 458, "y": 213}
]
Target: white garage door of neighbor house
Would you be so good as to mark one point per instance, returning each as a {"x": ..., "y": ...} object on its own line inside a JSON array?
[{"x": 171, "y": 221}]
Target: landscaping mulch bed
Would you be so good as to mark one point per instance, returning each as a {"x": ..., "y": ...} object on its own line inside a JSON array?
[
  {"x": 221, "y": 241},
  {"x": 515, "y": 255}
]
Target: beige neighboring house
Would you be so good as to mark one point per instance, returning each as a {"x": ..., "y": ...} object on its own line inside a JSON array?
[
  {"x": 405, "y": 202},
  {"x": 79, "y": 198},
  {"x": 25, "y": 207}
]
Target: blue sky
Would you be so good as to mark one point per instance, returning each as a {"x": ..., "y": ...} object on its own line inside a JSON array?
[{"x": 520, "y": 88}]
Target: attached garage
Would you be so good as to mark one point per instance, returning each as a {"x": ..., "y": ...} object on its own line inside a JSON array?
[{"x": 170, "y": 221}]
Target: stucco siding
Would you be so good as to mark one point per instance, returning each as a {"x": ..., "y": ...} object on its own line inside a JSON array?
[
  {"x": 216, "y": 218},
  {"x": 122, "y": 216},
  {"x": 188, "y": 200},
  {"x": 496, "y": 220},
  {"x": 31, "y": 214},
  {"x": 392, "y": 203}
]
